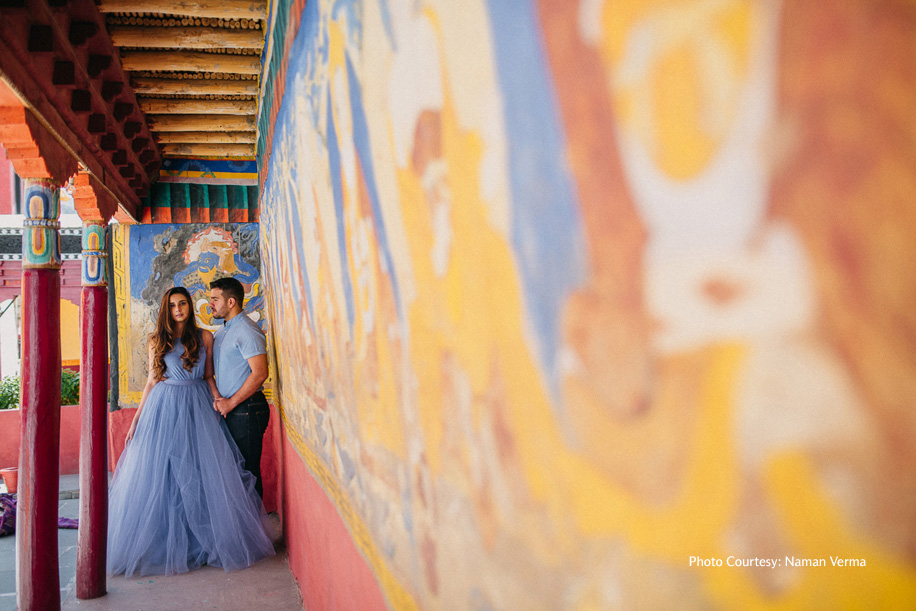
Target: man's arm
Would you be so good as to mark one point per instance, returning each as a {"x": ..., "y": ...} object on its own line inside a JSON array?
[{"x": 253, "y": 382}]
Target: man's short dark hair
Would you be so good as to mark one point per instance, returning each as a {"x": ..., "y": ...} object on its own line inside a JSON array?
[{"x": 230, "y": 288}]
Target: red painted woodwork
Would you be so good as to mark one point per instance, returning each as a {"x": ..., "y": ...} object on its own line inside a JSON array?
[
  {"x": 38, "y": 583},
  {"x": 219, "y": 215},
  {"x": 181, "y": 215},
  {"x": 70, "y": 280},
  {"x": 331, "y": 571},
  {"x": 70, "y": 85},
  {"x": 270, "y": 461},
  {"x": 124, "y": 218},
  {"x": 6, "y": 183},
  {"x": 200, "y": 214},
  {"x": 31, "y": 148},
  {"x": 91, "y": 200},
  {"x": 93, "y": 530},
  {"x": 161, "y": 215},
  {"x": 118, "y": 425}
]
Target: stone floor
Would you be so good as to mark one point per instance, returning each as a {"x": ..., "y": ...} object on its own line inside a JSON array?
[{"x": 265, "y": 585}]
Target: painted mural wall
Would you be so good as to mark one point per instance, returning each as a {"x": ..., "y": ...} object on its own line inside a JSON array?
[
  {"x": 149, "y": 259},
  {"x": 573, "y": 300}
]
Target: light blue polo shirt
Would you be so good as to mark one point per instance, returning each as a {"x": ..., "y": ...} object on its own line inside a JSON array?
[{"x": 233, "y": 344}]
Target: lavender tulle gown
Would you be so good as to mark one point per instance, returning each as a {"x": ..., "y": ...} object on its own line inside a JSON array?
[{"x": 180, "y": 497}]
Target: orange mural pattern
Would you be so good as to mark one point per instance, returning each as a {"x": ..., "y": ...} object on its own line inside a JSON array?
[{"x": 603, "y": 305}]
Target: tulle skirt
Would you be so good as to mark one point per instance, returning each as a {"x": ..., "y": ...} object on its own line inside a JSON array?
[{"x": 180, "y": 497}]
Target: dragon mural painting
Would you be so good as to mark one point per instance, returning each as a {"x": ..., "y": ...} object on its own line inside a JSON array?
[
  {"x": 149, "y": 259},
  {"x": 582, "y": 290}
]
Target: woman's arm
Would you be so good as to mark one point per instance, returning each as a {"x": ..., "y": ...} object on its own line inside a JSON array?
[
  {"x": 208, "y": 365},
  {"x": 150, "y": 382}
]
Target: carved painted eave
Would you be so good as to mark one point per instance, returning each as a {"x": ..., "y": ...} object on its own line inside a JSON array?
[{"x": 60, "y": 62}]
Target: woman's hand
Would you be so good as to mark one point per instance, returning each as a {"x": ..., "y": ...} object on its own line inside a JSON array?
[
  {"x": 223, "y": 406},
  {"x": 131, "y": 431}
]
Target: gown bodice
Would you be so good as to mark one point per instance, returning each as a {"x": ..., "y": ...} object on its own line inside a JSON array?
[{"x": 174, "y": 368}]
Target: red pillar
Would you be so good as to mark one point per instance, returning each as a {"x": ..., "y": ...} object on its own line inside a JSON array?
[
  {"x": 95, "y": 206},
  {"x": 93, "y": 529},
  {"x": 38, "y": 584},
  {"x": 43, "y": 165}
]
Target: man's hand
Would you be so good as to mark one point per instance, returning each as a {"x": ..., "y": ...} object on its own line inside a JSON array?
[{"x": 223, "y": 406}]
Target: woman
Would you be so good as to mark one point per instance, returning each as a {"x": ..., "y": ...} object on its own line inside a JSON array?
[{"x": 180, "y": 498}]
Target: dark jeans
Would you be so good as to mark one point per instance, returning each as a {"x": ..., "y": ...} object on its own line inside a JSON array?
[{"x": 247, "y": 424}]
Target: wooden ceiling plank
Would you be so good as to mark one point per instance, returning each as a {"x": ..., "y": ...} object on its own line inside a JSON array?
[
  {"x": 209, "y": 150},
  {"x": 154, "y": 86},
  {"x": 198, "y": 107},
  {"x": 214, "y": 9},
  {"x": 185, "y": 38},
  {"x": 207, "y": 137},
  {"x": 200, "y": 123},
  {"x": 189, "y": 61}
]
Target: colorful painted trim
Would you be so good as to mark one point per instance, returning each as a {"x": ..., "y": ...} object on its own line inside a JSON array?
[
  {"x": 95, "y": 259},
  {"x": 282, "y": 25},
  {"x": 121, "y": 264},
  {"x": 40, "y": 235},
  {"x": 210, "y": 171}
]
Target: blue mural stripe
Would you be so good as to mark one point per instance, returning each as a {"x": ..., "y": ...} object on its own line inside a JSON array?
[
  {"x": 364, "y": 150},
  {"x": 386, "y": 22},
  {"x": 547, "y": 231},
  {"x": 238, "y": 169},
  {"x": 336, "y": 186},
  {"x": 296, "y": 246},
  {"x": 142, "y": 252}
]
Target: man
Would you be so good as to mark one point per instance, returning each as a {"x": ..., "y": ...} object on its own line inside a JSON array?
[{"x": 240, "y": 363}]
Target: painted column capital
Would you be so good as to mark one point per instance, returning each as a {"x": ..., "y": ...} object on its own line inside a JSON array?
[
  {"x": 95, "y": 257},
  {"x": 40, "y": 235}
]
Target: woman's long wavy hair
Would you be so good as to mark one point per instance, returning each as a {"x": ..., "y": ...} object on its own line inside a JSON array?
[{"x": 162, "y": 339}]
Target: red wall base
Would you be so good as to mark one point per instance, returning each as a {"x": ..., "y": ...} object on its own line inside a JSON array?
[
  {"x": 69, "y": 438},
  {"x": 331, "y": 571}
]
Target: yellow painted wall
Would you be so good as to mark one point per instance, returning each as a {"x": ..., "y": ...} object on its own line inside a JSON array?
[
  {"x": 69, "y": 332},
  {"x": 570, "y": 299}
]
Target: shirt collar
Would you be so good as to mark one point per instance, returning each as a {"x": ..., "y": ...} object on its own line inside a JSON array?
[{"x": 226, "y": 323}]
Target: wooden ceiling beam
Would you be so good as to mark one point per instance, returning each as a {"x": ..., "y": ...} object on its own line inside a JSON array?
[
  {"x": 154, "y": 86},
  {"x": 206, "y": 137},
  {"x": 189, "y": 61},
  {"x": 185, "y": 37},
  {"x": 208, "y": 150},
  {"x": 159, "y": 106},
  {"x": 200, "y": 123},
  {"x": 214, "y": 9}
]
